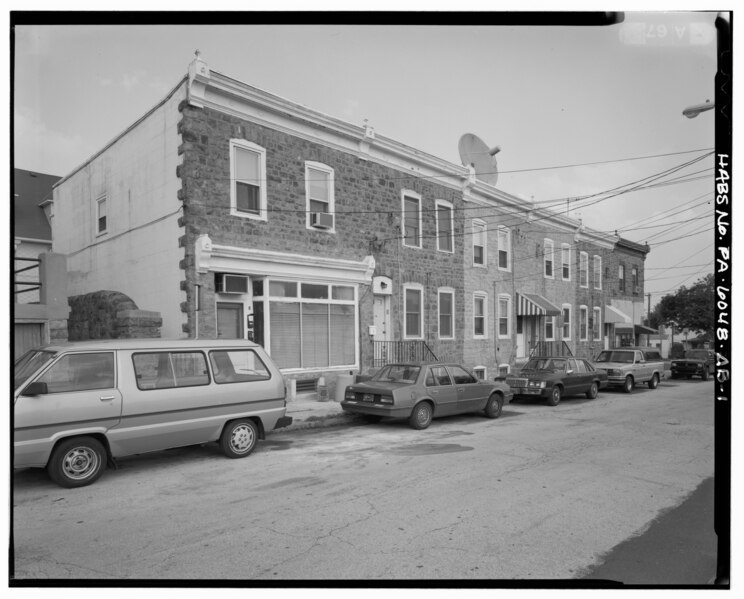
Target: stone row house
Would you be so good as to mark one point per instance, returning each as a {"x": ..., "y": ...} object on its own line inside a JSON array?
[{"x": 239, "y": 214}]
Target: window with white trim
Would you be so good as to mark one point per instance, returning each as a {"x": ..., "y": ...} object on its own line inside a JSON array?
[
  {"x": 597, "y": 272},
  {"x": 311, "y": 324},
  {"x": 621, "y": 277},
  {"x": 584, "y": 269},
  {"x": 549, "y": 328},
  {"x": 480, "y": 372},
  {"x": 101, "y": 216},
  {"x": 446, "y": 309},
  {"x": 597, "y": 324},
  {"x": 583, "y": 323},
  {"x": 566, "y": 261},
  {"x": 480, "y": 303},
  {"x": 445, "y": 227},
  {"x": 504, "y": 316},
  {"x": 479, "y": 243},
  {"x": 504, "y": 239},
  {"x": 548, "y": 258},
  {"x": 248, "y": 177},
  {"x": 566, "y": 313},
  {"x": 411, "y": 209},
  {"x": 319, "y": 197},
  {"x": 634, "y": 278},
  {"x": 413, "y": 294}
]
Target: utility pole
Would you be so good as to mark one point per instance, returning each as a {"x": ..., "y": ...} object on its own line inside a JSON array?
[{"x": 648, "y": 318}]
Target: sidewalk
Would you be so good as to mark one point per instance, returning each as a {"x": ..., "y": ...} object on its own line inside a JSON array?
[{"x": 307, "y": 412}]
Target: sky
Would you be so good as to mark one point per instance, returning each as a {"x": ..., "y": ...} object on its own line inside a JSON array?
[{"x": 548, "y": 96}]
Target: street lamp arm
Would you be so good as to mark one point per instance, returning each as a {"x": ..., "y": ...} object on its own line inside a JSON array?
[{"x": 692, "y": 111}]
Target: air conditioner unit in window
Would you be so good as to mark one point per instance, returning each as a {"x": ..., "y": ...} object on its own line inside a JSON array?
[
  {"x": 232, "y": 284},
  {"x": 321, "y": 220}
]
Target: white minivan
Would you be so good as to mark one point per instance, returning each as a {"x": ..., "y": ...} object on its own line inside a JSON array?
[{"x": 78, "y": 406}]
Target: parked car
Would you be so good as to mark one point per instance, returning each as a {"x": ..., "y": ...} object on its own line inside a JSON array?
[
  {"x": 423, "y": 391},
  {"x": 79, "y": 405},
  {"x": 696, "y": 362},
  {"x": 554, "y": 377},
  {"x": 629, "y": 366}
]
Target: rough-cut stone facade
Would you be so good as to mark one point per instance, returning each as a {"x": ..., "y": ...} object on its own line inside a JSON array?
[
  {"x": 367, "y": 220},
  {"x": 110, "y": 315}
]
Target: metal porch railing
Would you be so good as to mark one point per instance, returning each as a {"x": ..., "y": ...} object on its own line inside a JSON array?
[
  {"x": 386, "y": 352},
  {"x": 551, "y": 348}
]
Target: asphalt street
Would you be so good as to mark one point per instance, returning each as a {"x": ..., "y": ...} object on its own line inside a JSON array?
[{"x": 540, "y": 494}]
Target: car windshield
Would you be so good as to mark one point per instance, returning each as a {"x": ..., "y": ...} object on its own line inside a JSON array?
[
  {"x": 29, "y": 363},
  {"x": 549, "y": 364},
  {"x": 615, "y": 356},
  {"x": 397, "y": 373},
  {"x": 697, "y": 354}
]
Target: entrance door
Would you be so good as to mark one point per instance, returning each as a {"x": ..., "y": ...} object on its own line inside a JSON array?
[
  {"x": 521, "y": 350},
  {"x": 229, "y": 320},
  {"x": 381, "y": 315}
]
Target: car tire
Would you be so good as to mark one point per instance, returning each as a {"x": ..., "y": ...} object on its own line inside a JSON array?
[
  {"x": 705, "y": 374},
  {"x": 421, "y": 415},
  {"x": 628, "y": 384},
  {"x": 77, "y": 462},
  {"x": 555, "y": 396},
  {"x": 593, "y": 391},
  {"x": 654, "y": 382},
  {"x": 494, "y": 405},
  {"x": 239, "y": 438}
]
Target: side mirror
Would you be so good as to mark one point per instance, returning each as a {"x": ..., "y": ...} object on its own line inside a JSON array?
[
  {"x": 569, "y": 371},
  {"x": 35, "y": 388}
]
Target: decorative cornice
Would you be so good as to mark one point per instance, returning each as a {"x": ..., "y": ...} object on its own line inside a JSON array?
[
  {"x": 222, "y": 93},
  {"x": 242, "y": 260}
]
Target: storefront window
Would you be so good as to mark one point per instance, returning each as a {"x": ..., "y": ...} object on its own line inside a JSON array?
[{"x": 315, "y": 330}]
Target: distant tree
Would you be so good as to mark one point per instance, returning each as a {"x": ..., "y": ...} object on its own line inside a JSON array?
[{"x": 691, "y": 308}]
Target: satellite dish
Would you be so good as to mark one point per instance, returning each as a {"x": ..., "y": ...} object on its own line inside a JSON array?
[{"x": 474, "y": 152}]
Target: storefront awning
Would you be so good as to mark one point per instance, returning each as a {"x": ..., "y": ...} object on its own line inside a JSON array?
[
  {"x": 644, "y": 330},
  {"x": 531, "y": 304},
  {"x": 620, "y": 319}
]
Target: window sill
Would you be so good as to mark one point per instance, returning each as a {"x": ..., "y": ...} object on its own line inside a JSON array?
[{"x": 248, "y": 215}]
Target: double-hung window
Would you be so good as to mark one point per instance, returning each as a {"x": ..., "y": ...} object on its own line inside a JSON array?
[
  {"x": 621, "y": 277},
  {"x": 445, "y": 227},
  {"x": 566, "y": 310},
  {"x": 101, "y": 216},
  {"x": 566, "y": 261},
  {"x": 411, "y": 207},
  {"x": 504, "y": 239},
  {"x": 548, "y": 258},
  {"x": 634, "y": 278},
  {"x": 549, "y": 328},
  {"x": 583, "y": 323},
  {"x": 504, "y": 316},
  {"x": 597, "y": 324},
  {"x": 597, "y": 272},
  {"x": 479, "y": 315},
  {"x": 446, "y": 304},
  {"x": 479, "y": 243},
  {"x": 414, "y": 311},
  {"x": 319, "y": 193},
  {"x": 584, "y": 269},
  {"x": 248, "y": 180}
]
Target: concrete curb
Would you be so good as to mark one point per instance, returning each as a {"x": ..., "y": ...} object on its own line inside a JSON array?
[{"x": 321, "y": 421}]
